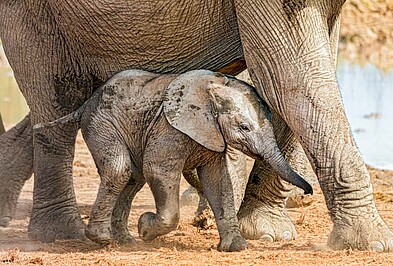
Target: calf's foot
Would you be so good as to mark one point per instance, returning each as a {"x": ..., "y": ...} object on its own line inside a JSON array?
[
  {"x": 232, "y": 242},
  {"x": 99, "y": 233},
  {"x": 150, "y": 225}
]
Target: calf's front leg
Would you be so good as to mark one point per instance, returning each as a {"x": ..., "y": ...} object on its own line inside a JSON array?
[
  {"x": 163, "y": 163},
  {"x": 216, "y": 178}
]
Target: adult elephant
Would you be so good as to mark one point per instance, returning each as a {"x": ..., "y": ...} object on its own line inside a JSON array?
[{"x": 62, "y": 51}]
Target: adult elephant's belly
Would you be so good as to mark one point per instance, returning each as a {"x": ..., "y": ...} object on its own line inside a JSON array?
[{"x": 159, "y": 36}]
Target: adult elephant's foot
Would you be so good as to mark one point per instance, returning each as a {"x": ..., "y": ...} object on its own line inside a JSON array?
[
  {"x": 150, "y": 225},
  {"x": 267, "y": 223},
  {"x": 262, "y": 213},
  {"x": 363, "y": 232},
  {"x": 56, "y": 223},
  {"x": 16, "y": 166},
  {"x": 350, "y": 201}
]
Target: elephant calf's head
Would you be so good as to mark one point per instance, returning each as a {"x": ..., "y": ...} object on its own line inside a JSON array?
[{"x": 216, "y": 110}]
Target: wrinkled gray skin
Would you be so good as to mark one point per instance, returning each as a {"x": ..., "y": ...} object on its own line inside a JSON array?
[
  {"x": 128, "y": 124},
  {"x": 61, "y": 51}
]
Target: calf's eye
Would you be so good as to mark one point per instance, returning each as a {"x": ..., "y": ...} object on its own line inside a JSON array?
[{"x": 245, "y": 127}]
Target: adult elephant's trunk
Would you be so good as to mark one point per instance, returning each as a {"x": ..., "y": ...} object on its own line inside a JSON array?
[{"x": 288, "y": 52}]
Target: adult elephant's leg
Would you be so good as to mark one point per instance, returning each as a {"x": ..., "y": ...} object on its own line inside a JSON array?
[
  {"x": 262, "y": 214},
  {"x": 16, "y": 166},
  {"x": 292, "y": 66},
  {"x": 53, "y": 84},
  {"x": 55, "y": 214}
]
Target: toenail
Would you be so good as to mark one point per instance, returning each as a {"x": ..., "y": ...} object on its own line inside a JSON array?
[
  {"x": 267, "y": 238},
  {"x": 376, "y": 246},
  {"x": 287, "y": 235}
]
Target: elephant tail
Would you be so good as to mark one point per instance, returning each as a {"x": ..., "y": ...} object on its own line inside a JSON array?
[{"x": 74, "y": 117}]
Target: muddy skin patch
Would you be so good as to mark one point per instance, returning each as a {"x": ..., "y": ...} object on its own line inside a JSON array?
[
  {"x": 226, "y": 106},
  {"x": 107, "y": 97},
  {"x": 181, "y": 91},
  {"x": 72, "y": 91},
  {"x": 110, "y": 90}
]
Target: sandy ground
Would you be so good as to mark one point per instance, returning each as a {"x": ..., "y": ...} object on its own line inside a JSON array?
[{"x": 187, "y": 245}]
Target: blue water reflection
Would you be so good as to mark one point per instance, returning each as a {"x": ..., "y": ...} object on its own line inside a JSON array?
[{"x": 368, "y": 100}]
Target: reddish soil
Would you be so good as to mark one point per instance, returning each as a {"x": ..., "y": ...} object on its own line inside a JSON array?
[{"x": 187, "y": 245}]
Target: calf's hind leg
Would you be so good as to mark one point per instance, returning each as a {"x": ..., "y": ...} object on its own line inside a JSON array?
[
  {"x": 114, "y": 166},
  {"x": 122, "y": 209}
]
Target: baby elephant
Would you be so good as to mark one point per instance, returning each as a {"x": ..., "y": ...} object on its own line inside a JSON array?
[{"x": 144, "y": 127}]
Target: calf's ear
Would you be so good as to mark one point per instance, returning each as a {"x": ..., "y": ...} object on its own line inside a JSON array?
[{"x": 188, "y": 108}]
